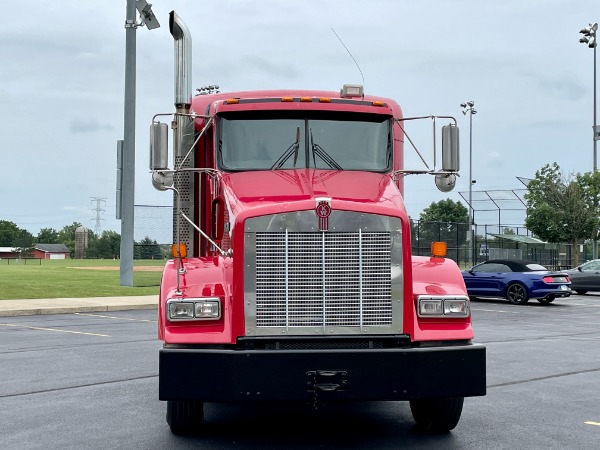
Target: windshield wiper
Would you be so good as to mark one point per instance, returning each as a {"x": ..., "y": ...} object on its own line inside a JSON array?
[
  {"x": 317, "y": 150},
  {"x": 291, "y": 150}
]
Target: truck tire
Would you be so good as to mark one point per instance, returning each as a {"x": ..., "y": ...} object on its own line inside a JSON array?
[
  {"x": 184, "y": 416},
  {"x": 517, "y": 294},
  {"x": 437, "y": 415},
  {"x": 581, "y": 291}
]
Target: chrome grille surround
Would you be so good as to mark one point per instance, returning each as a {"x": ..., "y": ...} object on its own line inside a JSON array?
[{"x": 301, "y": 281}]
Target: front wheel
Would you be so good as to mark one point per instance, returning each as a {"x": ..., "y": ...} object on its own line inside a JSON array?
[
  {"x": 580, "y": 291},
  {"x": 437, "y": 415},
  {"x": 546, "y": 300},
  {"x": 185, "y": 416},
  {"x": 516, "y": 293}
]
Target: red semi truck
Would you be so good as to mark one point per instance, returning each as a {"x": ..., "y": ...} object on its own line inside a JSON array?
[{"x": 292, "y": 277}]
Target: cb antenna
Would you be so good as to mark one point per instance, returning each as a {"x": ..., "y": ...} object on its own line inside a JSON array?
[{"x": 342, "y": 42}]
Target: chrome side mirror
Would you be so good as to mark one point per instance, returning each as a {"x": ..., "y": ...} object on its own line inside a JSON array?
[
  {"x": 450, "y": 149},
  {"x": 159, "y": 156},
  {"x": 159, "y": 146}
]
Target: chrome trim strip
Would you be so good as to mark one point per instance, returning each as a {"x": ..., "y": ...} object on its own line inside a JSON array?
[{"x": 360, "y": 296}]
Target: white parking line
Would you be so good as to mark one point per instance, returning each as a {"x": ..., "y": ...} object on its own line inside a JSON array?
[
  {"x": 115, "y": 317},
  {"x": 592, "y": 423},
  {"x": 495, "y": 310},
  {"x": 51, "y": 329},
  {"x": 583, "y": 304}
]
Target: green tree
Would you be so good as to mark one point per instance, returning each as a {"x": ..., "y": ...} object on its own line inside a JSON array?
[
  {"x": 147, "y": 249},
  {"x": 24, "y": 241},
  {"x": 13, "y": 236},
  {"x": 9, "y": 231},
  {"x": 106, "y": 246},
  {"x": 445, "y": 220},
  {"x": 562, "y": 208},
  {"x": 67, "y": 236},
  {"x": 48, "y": 236},
  {"x": 445, "y": 211}
]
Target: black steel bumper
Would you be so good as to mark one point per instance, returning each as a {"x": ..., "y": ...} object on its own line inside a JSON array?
[{"x": 223, "y": 375}]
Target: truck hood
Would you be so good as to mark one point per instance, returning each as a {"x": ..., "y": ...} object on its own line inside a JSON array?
[{"x": 268, "y": 192}]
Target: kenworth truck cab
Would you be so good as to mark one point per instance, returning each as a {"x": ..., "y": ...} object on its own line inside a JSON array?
[{"x": 292, "y": 277}]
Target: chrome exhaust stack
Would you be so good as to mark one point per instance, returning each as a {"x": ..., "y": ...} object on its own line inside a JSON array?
[{"x": 183, "y": 132}]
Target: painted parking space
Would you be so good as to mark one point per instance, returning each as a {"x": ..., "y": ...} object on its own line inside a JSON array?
[{"x": 57, "y": 330}]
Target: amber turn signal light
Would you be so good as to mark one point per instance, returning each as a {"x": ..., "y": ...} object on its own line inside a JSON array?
[
  {"x": 438, "y": 249},
  {"x": 182, "y": 253}
]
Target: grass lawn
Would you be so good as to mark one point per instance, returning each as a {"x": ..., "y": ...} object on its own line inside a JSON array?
[{"x": 55, "y": 278}]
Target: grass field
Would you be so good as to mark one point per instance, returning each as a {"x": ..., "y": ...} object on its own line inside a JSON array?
[{"x": 75, "y": 278}]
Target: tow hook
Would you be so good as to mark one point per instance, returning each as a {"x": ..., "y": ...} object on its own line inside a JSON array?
[{"x": 327, "y": 380}]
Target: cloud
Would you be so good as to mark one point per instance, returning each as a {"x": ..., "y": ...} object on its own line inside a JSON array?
[{"x": 88, "y": 126}]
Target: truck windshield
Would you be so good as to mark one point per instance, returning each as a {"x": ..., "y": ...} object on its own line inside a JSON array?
[{"x": 275, "y": 140}]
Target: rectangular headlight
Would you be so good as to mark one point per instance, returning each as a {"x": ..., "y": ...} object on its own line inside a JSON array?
[
  {"x": 456, "y": 307},
  {"x": 430, "y": 307},
  {"x": 208, "y": 309},
  {"x": 194, "y": 309},
  {"x": 181, "y": 311},
  {"x": 443, "y": 306}
]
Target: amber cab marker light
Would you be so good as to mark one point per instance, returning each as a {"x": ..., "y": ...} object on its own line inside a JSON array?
[
  {"x": 232, "y": 101},
  {"x": 438, "y": 249},
  {"x": 287, "y": 99},
  {"x": 182, "y": 250}
]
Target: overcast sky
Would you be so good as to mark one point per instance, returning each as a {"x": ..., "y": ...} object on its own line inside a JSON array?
[{"x": 62, "y": 87}]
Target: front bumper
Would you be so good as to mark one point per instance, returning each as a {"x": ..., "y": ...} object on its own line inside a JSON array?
[{"x": 224, "y": 375}]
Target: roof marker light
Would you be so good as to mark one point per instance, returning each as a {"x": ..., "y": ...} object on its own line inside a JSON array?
[
  {"x": 232, "y": 101},
  {"x": 306, "y": 99},
  {"x": 287, "y": 99}
]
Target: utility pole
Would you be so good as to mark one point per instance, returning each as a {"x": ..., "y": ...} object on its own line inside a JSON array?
[
  {"x": 589, "y": 38},
  {"x": 127, "y": 172}
]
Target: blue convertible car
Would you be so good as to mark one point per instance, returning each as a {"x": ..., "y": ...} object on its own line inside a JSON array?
[{"x": 516, "y": 280}]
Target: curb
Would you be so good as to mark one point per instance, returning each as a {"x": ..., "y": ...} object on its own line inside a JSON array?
[{"x": 74, "y": 309}]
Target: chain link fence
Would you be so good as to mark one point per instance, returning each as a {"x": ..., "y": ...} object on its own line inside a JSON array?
[
  {"x": 153, "y": 237},
  {"x": 153, "y": 233},
  {"x": 493, "y": 242}
]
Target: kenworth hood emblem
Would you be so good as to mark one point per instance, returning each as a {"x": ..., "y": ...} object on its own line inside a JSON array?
[{"x": 323, "y": 211}]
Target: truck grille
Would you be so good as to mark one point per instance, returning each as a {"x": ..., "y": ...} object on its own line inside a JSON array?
[{"x": 319, "y": 279}]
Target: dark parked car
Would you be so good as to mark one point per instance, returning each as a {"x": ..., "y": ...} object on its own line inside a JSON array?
[
  {"x": 517, "y": 281},
  {"x": 585, "y": 277}
]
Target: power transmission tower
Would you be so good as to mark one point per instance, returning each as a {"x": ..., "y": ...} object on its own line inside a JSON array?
[{"x": 99, "y": 211}]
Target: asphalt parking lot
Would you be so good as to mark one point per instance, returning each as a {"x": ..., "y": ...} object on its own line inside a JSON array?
[{"x": 90, "y": 380}]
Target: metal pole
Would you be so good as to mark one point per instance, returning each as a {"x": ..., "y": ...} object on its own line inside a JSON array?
[
  {"x": 128, "y": 184},
  {"x": 595, "y": 242},
  {"x": 471, "y": 243},
  {"x": 595, "y": 140}
]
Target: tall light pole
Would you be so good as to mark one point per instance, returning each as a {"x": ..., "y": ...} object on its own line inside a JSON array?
[
  {"x": 126, "y": 165},
  {"x": 589, "y": 38},
  {"x": 469, "y": 108}
]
